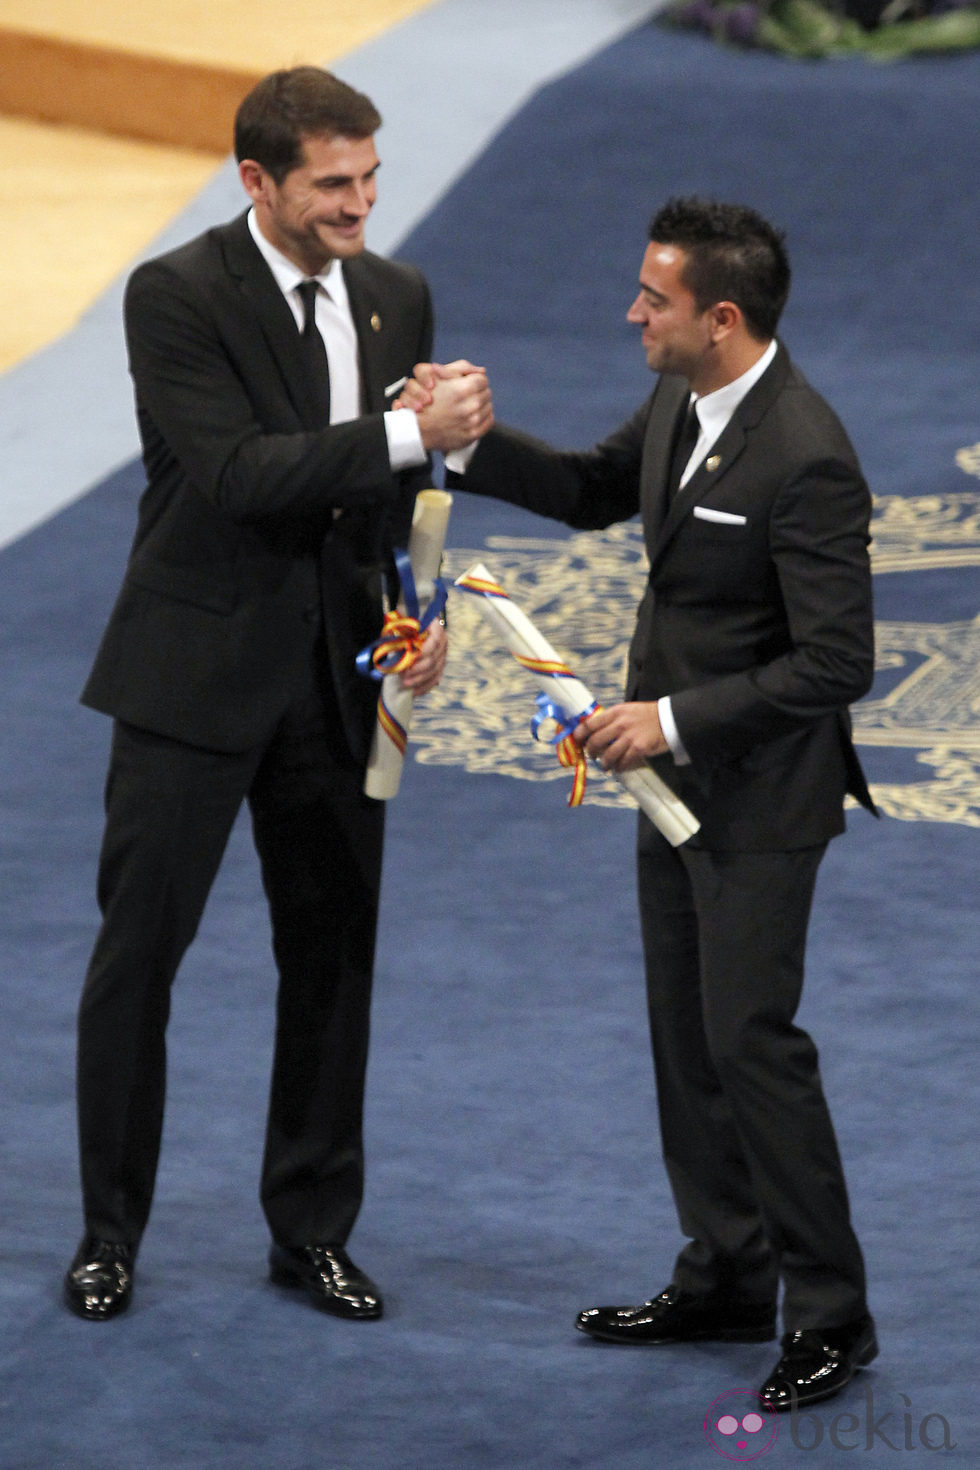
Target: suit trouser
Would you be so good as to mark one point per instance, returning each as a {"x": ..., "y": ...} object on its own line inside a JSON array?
[
  {"x": 748, "y": 1142},
  {"x": 170, "y": 808}
]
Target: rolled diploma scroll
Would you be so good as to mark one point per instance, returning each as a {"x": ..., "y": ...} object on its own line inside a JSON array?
[
  {"x": 384, "y": 768},
  {"x": 666, "y": 811}
]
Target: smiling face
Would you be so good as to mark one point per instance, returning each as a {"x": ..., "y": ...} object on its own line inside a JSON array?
[
  {"x": 317, "y": 212},
  {"x": 676, "y": 336}
]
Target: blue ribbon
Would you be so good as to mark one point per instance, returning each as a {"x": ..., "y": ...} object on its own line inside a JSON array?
[
  {"x": 366, "y": 662},
  {"x": 548, "y": 710}
]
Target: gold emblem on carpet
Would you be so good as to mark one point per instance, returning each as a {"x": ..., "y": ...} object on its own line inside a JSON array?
[
  {"x": 932, "y": 704},
  {"x": 582, "y": 593}
]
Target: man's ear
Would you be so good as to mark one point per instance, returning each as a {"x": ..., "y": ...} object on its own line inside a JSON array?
[
  {"x": 255, "y": 180},
  {"x": 726, "y": 318}
]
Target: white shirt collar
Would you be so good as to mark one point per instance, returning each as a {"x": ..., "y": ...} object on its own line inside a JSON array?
[
  {"x": 715, "y": 409},
  {"x": 288, "y": 276}
]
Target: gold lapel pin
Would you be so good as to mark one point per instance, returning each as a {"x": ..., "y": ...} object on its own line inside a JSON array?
[
  {"x": 712, "y": 462},
  {"x": 375, "y": 322}
]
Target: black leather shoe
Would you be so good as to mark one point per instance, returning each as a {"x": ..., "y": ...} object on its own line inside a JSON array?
[
  {"x": 329, "y": 1276},
  {"x": 675, "y": 1317},
  {"x": 818, "y": 1362},
  {"x": 99, "y": 1283}
]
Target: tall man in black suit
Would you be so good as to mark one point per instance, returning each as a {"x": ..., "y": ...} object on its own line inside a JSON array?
[
  {"x": 265, "y": 356},
  {"x": 753, "y": 636}
]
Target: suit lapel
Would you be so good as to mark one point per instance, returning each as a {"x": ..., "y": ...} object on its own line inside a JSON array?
[
  {"x": 723, "y": 453},
  {"x": 722, "y": 456},
  {"x": 270, "y": 310},
  {"x": 278, "y": 325},
  {"x": 668, "y": 404},
  {"x": 368, "y": 311}
]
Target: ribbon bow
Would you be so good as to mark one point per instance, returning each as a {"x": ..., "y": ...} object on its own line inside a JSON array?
[
  {"x": 570, "y": 754},
  {"x": 403, "y": 633}
]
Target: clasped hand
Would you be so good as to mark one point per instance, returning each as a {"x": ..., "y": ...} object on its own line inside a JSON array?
[{"x": 452, "y": 402}]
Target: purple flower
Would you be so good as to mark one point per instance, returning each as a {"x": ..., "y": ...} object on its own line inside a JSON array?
[{"x": 741, "y": 23}]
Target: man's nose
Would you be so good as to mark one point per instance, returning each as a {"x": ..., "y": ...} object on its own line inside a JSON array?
[{"x": 359, "y": 199}]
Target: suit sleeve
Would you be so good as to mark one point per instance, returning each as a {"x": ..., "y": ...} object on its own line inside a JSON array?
[
  {"x": 587, "y": 490},
  {"x": 818, "y": 541},
  {"x": 198, "y": 402}
]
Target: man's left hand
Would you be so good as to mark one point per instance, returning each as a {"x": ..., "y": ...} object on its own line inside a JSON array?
[
  {"x": 624, "y": 736},
  {"x": 427, "y": 669}
]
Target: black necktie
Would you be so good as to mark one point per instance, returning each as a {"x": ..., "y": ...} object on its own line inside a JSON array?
[
  {"x": 687, "y": 437},
  {"x": 314, "y": 352}
]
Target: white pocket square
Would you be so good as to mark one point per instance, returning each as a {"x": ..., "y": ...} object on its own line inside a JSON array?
[{"x": 720, "y": 517}]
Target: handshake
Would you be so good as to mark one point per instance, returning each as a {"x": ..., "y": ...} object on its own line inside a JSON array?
[{"x": 452, "y": 402}]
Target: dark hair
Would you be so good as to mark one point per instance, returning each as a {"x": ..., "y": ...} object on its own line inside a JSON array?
[
  {"x": 288, "y": 106},
  {"x": 733, "y": 254}
]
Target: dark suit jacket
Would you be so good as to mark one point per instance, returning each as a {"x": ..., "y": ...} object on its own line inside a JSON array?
[
  {"x": 759, "y": 628},
  {"x": 238, "y": 539}
]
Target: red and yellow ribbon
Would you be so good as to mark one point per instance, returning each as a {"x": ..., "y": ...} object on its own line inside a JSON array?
[
  {"x": 399, "y": 644},
  {"x": 393, "y": 728},
  {"x": 570, "y": 754},
  {"x": 469, "y": 583}
]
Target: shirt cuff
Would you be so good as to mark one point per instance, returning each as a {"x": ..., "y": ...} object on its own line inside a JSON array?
[
  {"x": 405, "y": 448},
  {"x": 667, "y": 725},
  {"x": 458, "y": 460}
]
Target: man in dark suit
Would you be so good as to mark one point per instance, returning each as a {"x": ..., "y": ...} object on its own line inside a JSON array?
[
  {"x": 753, "y": 636},
  {"x": 265, "y": 356}
]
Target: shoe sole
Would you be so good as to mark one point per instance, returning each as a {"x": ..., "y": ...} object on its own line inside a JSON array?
[
  {"x": 867, "y": 1355},
  {"x": 725, "y": 1334}
]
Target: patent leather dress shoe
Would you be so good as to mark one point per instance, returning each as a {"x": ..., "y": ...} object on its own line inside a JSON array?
[
  {"x": 99, "y": 1283},
  {"x": 818, "y": 1362},
  {"x": 675, "y": 1317},
  {"x": 330, "y": 1278}
]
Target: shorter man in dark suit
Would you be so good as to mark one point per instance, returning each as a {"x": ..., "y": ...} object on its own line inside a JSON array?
[
  {"x": 754, "y": 634},
  {"x": 265, "y": 356}
]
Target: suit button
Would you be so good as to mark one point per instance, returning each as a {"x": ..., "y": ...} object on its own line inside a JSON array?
[{"x": 311, "y": 614}]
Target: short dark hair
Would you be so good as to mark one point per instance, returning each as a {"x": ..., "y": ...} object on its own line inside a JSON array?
[
  {"x": 733, "y": 254},
  {"x": 288, "y": 106}
]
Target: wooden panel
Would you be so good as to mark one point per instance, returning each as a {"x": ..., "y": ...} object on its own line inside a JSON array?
[
  {"x": 244, "y": 35},
  {"x": 78, "y": 207},
  {"x": 132, "y": 95},
  {"x": 172, "y": 74}
]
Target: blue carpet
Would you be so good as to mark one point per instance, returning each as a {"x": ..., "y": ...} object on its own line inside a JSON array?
[{"x": 513, "y": 1163}]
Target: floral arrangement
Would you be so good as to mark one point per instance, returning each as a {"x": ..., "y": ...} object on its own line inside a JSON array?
[{"x": 882, "y": 30}]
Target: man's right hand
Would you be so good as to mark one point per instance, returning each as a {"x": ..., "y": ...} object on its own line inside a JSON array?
[{"x": 452, "y": 402}]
